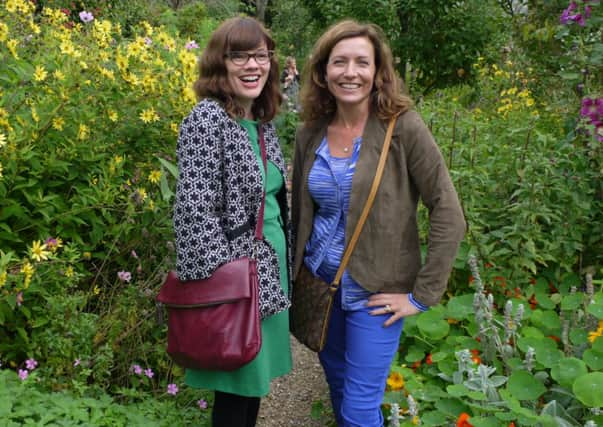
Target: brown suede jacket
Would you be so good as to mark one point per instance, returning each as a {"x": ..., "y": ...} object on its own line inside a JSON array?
[{"x": 387, "y": 257}]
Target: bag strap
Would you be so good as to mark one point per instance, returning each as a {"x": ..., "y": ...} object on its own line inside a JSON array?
[
  {"x": 259, "y": 227},
  {"x": 367, "y": 207}
]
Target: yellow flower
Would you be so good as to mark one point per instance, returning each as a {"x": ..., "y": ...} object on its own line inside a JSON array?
[
  {"x": 87, "y": 255},
  {"x": 83, "y": 132},
  {"x": 34, "y": 27},
  {"x": 34, "y": 115},
  {"x": 12, "y": 47},
  {"x": 27, "y": 269},
  {"x": 58, "y": 123},
  {"x": 148, "y": 29},
  {"x": 118, "y": 159},
  {"x": 3, "y": 31},
  {"x": 512, "y": 91},
  {"x": 113, "y": 116},
  {"x": 151, "y": 205},
  {"x": 3, "y": 277},
  {"x": 149, "y": 115},
  {"x": 155, "y": 176},
  {"x": 395, "y": 381},
  {"x": 69, "y": 272},
  {"x": 2, "y": 140},
  {"x": 415, "y": 420},
  {"x": 58, "y": 74},
  {"x": 96, "y": 290},
  {"x": 529, "y": 102},
  {"x": 38, "y": 251},
  {"x": 174, "y": 127},
  {"x": 142, "y": 193}
]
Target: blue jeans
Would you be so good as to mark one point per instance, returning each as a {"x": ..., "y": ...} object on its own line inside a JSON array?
[{"x": 356, "y": 361}]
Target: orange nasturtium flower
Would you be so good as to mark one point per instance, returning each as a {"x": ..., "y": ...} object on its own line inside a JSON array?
[
  {"x": 395, "y": 381},
  {"x": 463, "y": 420}
]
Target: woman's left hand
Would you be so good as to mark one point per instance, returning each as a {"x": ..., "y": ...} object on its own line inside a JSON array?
[{"x": 396, "y": 304}]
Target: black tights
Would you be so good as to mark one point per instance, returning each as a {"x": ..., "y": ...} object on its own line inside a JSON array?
[{"x": 232, "y": 410}]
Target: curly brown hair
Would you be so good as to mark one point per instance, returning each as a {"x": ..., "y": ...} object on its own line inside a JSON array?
[
  {"x": 388, "y": 97},
  {"x": 234, "y": 34}
]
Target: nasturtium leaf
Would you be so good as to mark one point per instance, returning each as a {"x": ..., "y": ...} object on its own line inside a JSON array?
[
  {"x": 523, "y": 386},
  {"x": 596, "y": 308},
  {"x": 440, "y": 355},
  {"x": 432, "y": 324},
  {"x": 544, "y": 300},
  {"x": 484, "y": 422},
  {"x": 457, "y": 390},
  {"x": 567, "y": 369},
  {"x": 460, "y": 307},
  {"x": 432, "y": 418},
  {"x": 593, "y": 359},
  {"x": 578, "y": 336},
  {"x": 414, "y": 355},
  {"x": 598, "y": 345},
  {"x": 572, "y": 301},
  {"x": 589, "y": 389},
  {"x": 548, "y": 357},
  {"x": 451, "y": 407}
]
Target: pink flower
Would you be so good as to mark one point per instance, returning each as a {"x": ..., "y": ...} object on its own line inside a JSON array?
[
  {"x": 19, "y": 298},
  {"x": 149, "y": 372},
  {"x": 202, "y": 404},
  {"x": 76, "y": 362},
  {"x": 31, "y": 364},
  {"x": 86, "y": 16},
  {"x": 124, "y": 276},
  {"x": 191, "y": 45},
  {"x": 23, "y": 374},
  {"x": 134, "y": 254},
  {"x": 136, "y": 369},
  {"x": 172, "y": 389}
]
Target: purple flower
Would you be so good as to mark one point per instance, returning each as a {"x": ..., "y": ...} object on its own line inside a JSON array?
[
  {"x": 148, "y": 42},
  {"x": 202, "y": 404},
  {"x": 136, "y": 369},
  {"x": 76, "y": 362},
  {"x": 172, "y": 389},
  {"x": 124, "y": 276},
  {"x": 86, "y": 16},
  {"x": 191, "y": 45},
  {"x": 23, "y": 374},
  {"x": 587, "y": 11},
  {"x": 134, "y": 254},
  {"x": 19, "y": 298},
  {"x": 149, "y": 372},
  {"x": 31, "y": 364}
]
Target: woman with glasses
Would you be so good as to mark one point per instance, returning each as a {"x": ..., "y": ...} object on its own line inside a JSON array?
[{"x": 222, "y": 179}]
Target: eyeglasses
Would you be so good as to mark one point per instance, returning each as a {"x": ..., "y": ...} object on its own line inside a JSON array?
[{"x": 241, "y": 58}]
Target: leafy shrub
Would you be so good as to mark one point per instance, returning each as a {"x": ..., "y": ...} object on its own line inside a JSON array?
[{"x": 86, "y": 116}]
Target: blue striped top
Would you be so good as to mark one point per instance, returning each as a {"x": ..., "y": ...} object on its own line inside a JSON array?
[{"x": 330, "y": 184}]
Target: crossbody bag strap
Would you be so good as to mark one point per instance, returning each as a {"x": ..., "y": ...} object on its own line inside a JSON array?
[
  {"x": 367, "y": 206},
  {"x": 259, "y": 227}
]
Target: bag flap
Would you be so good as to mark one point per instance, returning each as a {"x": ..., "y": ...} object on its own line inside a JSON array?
[{"x": 230, "y": 282}]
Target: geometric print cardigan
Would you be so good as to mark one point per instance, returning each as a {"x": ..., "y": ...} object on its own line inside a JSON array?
[{"x": 218, "y": 197}]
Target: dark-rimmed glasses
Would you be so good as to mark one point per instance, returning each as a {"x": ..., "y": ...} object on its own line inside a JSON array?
[{"x": 241, "y": 58}]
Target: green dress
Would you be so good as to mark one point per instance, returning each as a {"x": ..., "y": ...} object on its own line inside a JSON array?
[{"x": 274, "y": 358}]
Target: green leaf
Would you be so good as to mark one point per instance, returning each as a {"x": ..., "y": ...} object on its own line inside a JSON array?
[
  {"x": 457, "y": 390},
  {"x": 166, "y": 192},
  {"x": 432, "y": 325},
  {"x": 589, "y": 389},
  {"x": 460, "y": 307},
  {"x": 567, "y": 370},
  {"x": 596, "y": 307},
  {"x": 451, "y": 407},
  {"x": 171, "y": 167},
  {"x": 593, "y": 359},
  {"x": 598, "y": 344},
  {"x": 523, "y": 386},
  {"x": 572, "y": 301}
]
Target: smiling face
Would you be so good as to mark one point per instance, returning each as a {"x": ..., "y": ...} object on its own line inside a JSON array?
[
  {"x": 248, "y": 80},
  {"x": 351, "y": 71}
]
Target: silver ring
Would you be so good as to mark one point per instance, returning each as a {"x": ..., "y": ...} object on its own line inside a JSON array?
[{"x": 388, "y": 308}]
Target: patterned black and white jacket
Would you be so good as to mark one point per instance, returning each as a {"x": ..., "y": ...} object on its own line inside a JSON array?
[{"x": 218, "y": 198}]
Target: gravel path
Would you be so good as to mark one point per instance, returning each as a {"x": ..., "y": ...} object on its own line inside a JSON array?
[{"x": 291, "y": 397}]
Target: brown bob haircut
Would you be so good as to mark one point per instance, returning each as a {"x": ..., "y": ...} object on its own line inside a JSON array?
[
  {"x": 387, "y": 97},
  {"x": 237, "y": 34}
]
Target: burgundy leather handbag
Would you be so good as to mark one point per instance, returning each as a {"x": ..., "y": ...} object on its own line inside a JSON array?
[{"x": 214, "y": 323}]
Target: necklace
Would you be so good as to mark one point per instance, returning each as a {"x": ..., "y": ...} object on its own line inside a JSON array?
[{"x": 346, "y": 149}]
